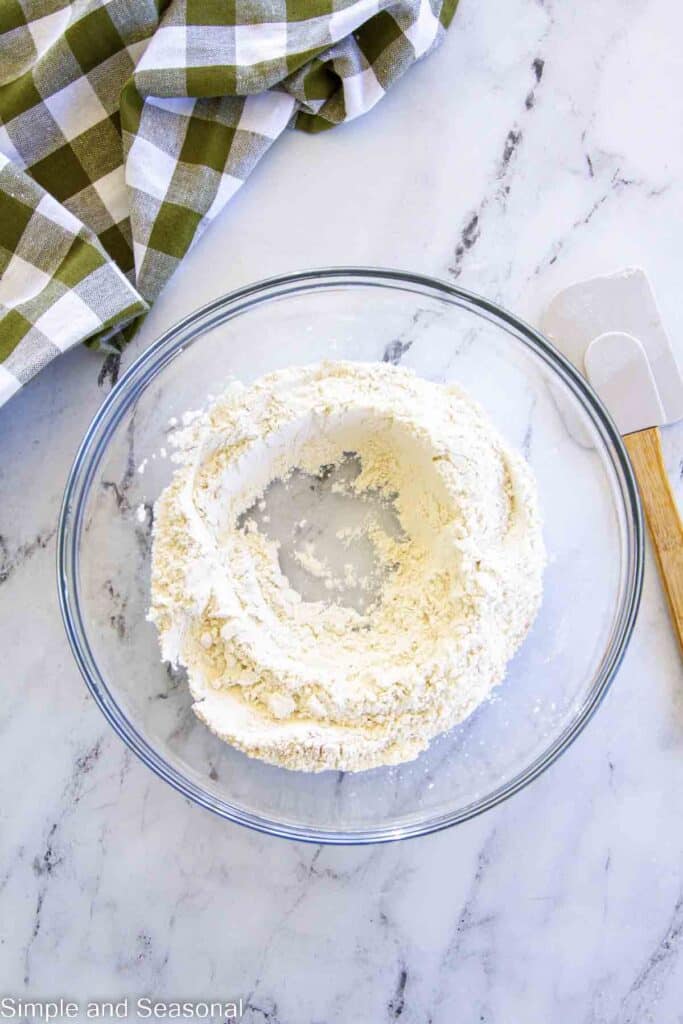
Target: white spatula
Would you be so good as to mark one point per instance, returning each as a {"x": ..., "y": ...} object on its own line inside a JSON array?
[{"x": 611, "y": 329}]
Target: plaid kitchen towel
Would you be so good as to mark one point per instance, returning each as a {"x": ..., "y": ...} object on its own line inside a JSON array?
[{"x": 127, "y": 125}]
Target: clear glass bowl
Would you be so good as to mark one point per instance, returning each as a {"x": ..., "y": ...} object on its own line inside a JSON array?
[{"x": 592, "y": 526}]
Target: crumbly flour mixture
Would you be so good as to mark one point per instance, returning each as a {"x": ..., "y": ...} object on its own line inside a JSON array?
[{"x": 312, "y": 685}]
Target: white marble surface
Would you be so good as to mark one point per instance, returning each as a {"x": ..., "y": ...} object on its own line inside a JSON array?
[{"x": 542, "y": 143}]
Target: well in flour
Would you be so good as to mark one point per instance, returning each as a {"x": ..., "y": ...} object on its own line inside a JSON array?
[{"x": 323, "y": 683}]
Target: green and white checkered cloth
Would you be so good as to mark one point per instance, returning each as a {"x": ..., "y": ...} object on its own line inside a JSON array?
[{"x": 127, "y": 125}]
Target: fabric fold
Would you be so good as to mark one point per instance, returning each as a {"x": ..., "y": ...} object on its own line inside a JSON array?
[{"x": 58, "y": 285}]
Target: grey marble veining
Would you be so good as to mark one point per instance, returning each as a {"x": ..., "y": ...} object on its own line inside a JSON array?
[{"x": 541, "y": 144}]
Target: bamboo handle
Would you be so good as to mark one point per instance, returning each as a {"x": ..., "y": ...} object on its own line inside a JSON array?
[{"x": 666, "y": 529}]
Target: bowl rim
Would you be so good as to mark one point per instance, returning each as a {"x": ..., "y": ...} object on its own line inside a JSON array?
[{"x": 148, "y": 364}]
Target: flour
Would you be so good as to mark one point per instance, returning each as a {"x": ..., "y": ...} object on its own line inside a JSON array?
[
  {"x": 313, "y": 685},
  {"x": 317, "y": 567}
]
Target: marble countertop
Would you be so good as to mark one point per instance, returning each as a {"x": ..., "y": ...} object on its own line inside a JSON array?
[{"x": 542, "y": 143}]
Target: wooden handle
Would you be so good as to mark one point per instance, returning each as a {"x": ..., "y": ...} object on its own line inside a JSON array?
[{"x": 666, "y": 529}]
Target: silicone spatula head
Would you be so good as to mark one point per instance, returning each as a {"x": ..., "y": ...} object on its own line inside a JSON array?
[
  {"x": 616, "y": 317},
  {"x": 619, "y": 370}
]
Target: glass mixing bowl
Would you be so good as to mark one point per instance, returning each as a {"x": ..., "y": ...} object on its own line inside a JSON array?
[{"x": 592, "y": 527}]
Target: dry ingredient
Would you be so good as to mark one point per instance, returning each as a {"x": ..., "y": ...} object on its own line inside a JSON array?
[{"x": 316, "y": 685}]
